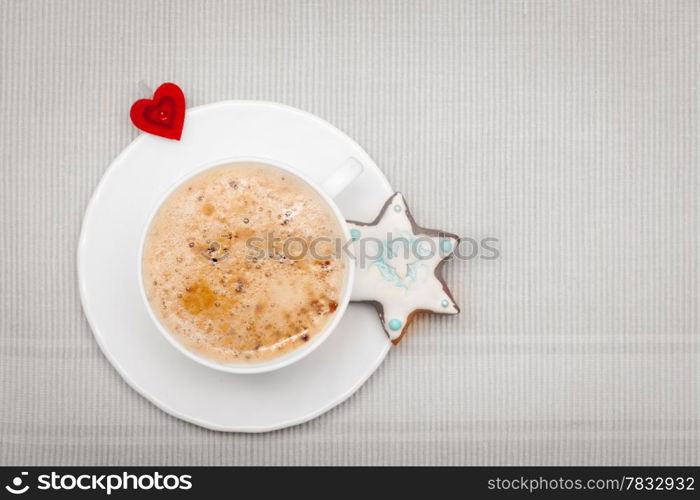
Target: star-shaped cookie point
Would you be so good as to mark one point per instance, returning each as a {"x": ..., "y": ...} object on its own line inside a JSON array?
[{"x": 398, "y": 267}]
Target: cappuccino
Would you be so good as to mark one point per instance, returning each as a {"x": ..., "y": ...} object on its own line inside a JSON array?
[{"x": 240, "y": 263}]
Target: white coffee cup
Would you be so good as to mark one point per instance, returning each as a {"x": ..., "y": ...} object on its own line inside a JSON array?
[{"x": 333, "y": 185}]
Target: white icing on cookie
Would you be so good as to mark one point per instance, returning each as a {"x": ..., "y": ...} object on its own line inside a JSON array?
[{"x": 397, "y": 267}]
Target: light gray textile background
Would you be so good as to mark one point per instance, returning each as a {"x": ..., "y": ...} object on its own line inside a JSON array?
[{"x": 567, "y": 130}]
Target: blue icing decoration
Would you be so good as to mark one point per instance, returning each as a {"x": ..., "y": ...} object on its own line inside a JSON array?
[
  {"x": 355, "y": 234},
  {"x": 445, "y": 303},
  {"x": 412, "y": 273},
  {"x": 394, "y": 324},
  {"x": 423, "y": 249},
  {"x": 389, "y": 273},
  {"x": 446, "y": 245},
  {"x": 397, "y": 208},
  {"x": 399, "y": 246}
]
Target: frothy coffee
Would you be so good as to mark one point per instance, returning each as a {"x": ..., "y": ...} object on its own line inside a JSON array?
[{"x": 225, "y": 267}]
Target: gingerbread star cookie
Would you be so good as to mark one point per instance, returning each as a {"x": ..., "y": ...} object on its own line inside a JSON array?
[{"x": 398, "y": 267}]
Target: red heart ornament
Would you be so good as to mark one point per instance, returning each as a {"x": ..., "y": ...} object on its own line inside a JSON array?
[{"x": 164, "y": 115}]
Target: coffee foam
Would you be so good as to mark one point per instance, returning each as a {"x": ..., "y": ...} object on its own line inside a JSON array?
[{"x": 222, "y": 266}]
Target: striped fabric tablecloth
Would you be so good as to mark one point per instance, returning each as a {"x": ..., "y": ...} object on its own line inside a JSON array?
[{"x": 568, "y": 130}]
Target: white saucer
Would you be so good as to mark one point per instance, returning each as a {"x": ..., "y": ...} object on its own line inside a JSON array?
[{"x": 107, "y": 253}]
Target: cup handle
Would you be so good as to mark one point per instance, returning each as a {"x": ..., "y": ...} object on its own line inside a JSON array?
[{"x": 348, "y": 171}]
